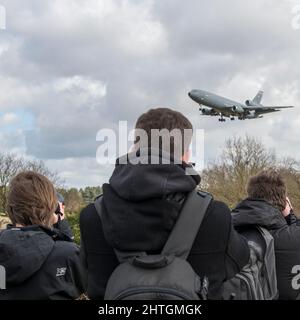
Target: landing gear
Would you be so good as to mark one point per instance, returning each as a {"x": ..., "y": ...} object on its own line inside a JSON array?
[{"x": 221, "y": 119}]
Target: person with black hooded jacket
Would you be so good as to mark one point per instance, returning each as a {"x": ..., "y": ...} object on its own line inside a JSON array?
[
  {"x": 140, "y": 206},
  {"x": 267, "y": 206},
  {"x": 41, "y": 262}
]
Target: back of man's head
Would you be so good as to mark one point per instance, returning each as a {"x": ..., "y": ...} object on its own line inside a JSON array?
[
  {"x": 270, "y": 186},
  {"x": 165, "y": 129}
]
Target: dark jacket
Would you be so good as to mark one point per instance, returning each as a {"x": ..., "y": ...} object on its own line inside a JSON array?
[
  {"x": 40, "y": 265},
  {"x": 63, "y": 226},
  {"x": 140, "y": 207},
  {"x": 286, "y": 234}
]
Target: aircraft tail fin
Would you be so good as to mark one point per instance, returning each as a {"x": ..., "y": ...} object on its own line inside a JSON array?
[{"x": 258, "y": 97}]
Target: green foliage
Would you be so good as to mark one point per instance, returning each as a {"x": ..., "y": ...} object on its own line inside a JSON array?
[
  {"x": 90, "y": 193},
  {"x": 75, "y": 200},
  {"x": 74, "y": 223}
]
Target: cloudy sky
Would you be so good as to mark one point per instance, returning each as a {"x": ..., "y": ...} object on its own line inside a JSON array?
[{"x": 71, "y": 67}]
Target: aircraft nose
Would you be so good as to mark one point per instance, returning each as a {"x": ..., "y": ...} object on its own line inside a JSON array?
[{"x": 191, "y": 94}]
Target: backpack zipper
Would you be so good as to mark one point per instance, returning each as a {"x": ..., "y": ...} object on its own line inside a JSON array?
[{"x": 173, "y": 292}]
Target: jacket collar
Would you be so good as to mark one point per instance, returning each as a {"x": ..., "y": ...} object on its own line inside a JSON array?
[{"x": 257, "y": 212}]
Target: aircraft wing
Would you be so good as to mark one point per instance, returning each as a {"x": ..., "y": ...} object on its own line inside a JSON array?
[
  {"x": 277, "y": 107},
  {"x": 266, "y": 111},
  {"x": 268, "y": 108}
]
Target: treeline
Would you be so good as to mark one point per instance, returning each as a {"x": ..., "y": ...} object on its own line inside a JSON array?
[
  {"x": 242, "y": 158},
  {"x": 75, "y": 199},
  {"x": 226, "y": 178},
  {"x": 11, "y": 164}
]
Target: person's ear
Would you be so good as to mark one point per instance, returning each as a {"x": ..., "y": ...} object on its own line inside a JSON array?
[{"x": 186, "y": 156}]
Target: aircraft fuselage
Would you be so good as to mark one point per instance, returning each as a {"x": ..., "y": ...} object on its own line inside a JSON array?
[{"x": 221, "y": 104}]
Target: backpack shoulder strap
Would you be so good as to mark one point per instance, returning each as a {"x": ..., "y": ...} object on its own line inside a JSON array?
[
  {"x": 185, "y": 230},
  {"x": 97, "y": 204},
  {"x": 187, "y": 225}
]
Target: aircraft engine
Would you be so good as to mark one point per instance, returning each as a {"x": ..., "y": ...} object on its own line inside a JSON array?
[
  {"x": 250, "y": 103},
  {"x": 238, "y": 109},
  {"x": 207, "y": 111},
  {"x": 252, "y": 115}
]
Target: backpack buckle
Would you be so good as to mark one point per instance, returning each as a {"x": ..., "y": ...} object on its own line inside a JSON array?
[{"x": 203, "y": 291}]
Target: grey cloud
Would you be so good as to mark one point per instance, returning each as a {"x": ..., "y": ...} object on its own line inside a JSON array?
[{"x": 228, "y": 47}]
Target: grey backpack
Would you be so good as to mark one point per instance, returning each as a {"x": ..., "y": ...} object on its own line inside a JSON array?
[
  {"x": 165, "y": 276},
  {"x": 257, "y": 280}
]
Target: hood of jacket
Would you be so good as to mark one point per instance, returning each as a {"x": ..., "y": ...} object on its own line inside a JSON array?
[
  {"x": 257, "y": 212},
  {"x": 23, "y": 251},
  {"x": 142, "y": 201}
]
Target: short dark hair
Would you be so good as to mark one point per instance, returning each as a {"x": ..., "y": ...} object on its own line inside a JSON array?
[
  {"x": 165, "y": 118},
  {"x": 31, "y": 199},
  {"x": 270, "y": 186}
]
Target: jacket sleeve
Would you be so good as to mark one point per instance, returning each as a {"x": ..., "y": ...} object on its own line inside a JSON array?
[
  {"x": 83, "y": 253},
  {"x": 69, "y": 282},
  {"x": 97, "y": 257},
  {"x": 64, "y": 227},
  {"x": 291, "y": 219},
  {"x": 78, "y": 275},
  {"x": 237, "y": 252}
]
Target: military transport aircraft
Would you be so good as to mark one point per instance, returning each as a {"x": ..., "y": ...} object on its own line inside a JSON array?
[{"x": 214, "y": 105}]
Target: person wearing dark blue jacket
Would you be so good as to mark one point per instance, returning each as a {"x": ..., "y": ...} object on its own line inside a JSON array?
[
  {"x": 141, "y": 204},
  {"x": 41, "y": 262},
  {"x": 268, "y": 206}
]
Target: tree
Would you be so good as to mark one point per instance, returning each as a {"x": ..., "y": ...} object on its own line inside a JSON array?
[
  {"x": 289, "y": 168},
  {"x": 73, "y": 200},
  {"x": 11, "y": 164},
  {"x": 9, "y": 167},
  {"x": 242, "y": 158},
  {"x": 90, "y": 193},
  {"x": 40, "y": 167}
]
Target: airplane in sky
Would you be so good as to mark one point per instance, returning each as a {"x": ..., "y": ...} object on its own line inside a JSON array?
[{"x": 214, "y": 105}]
